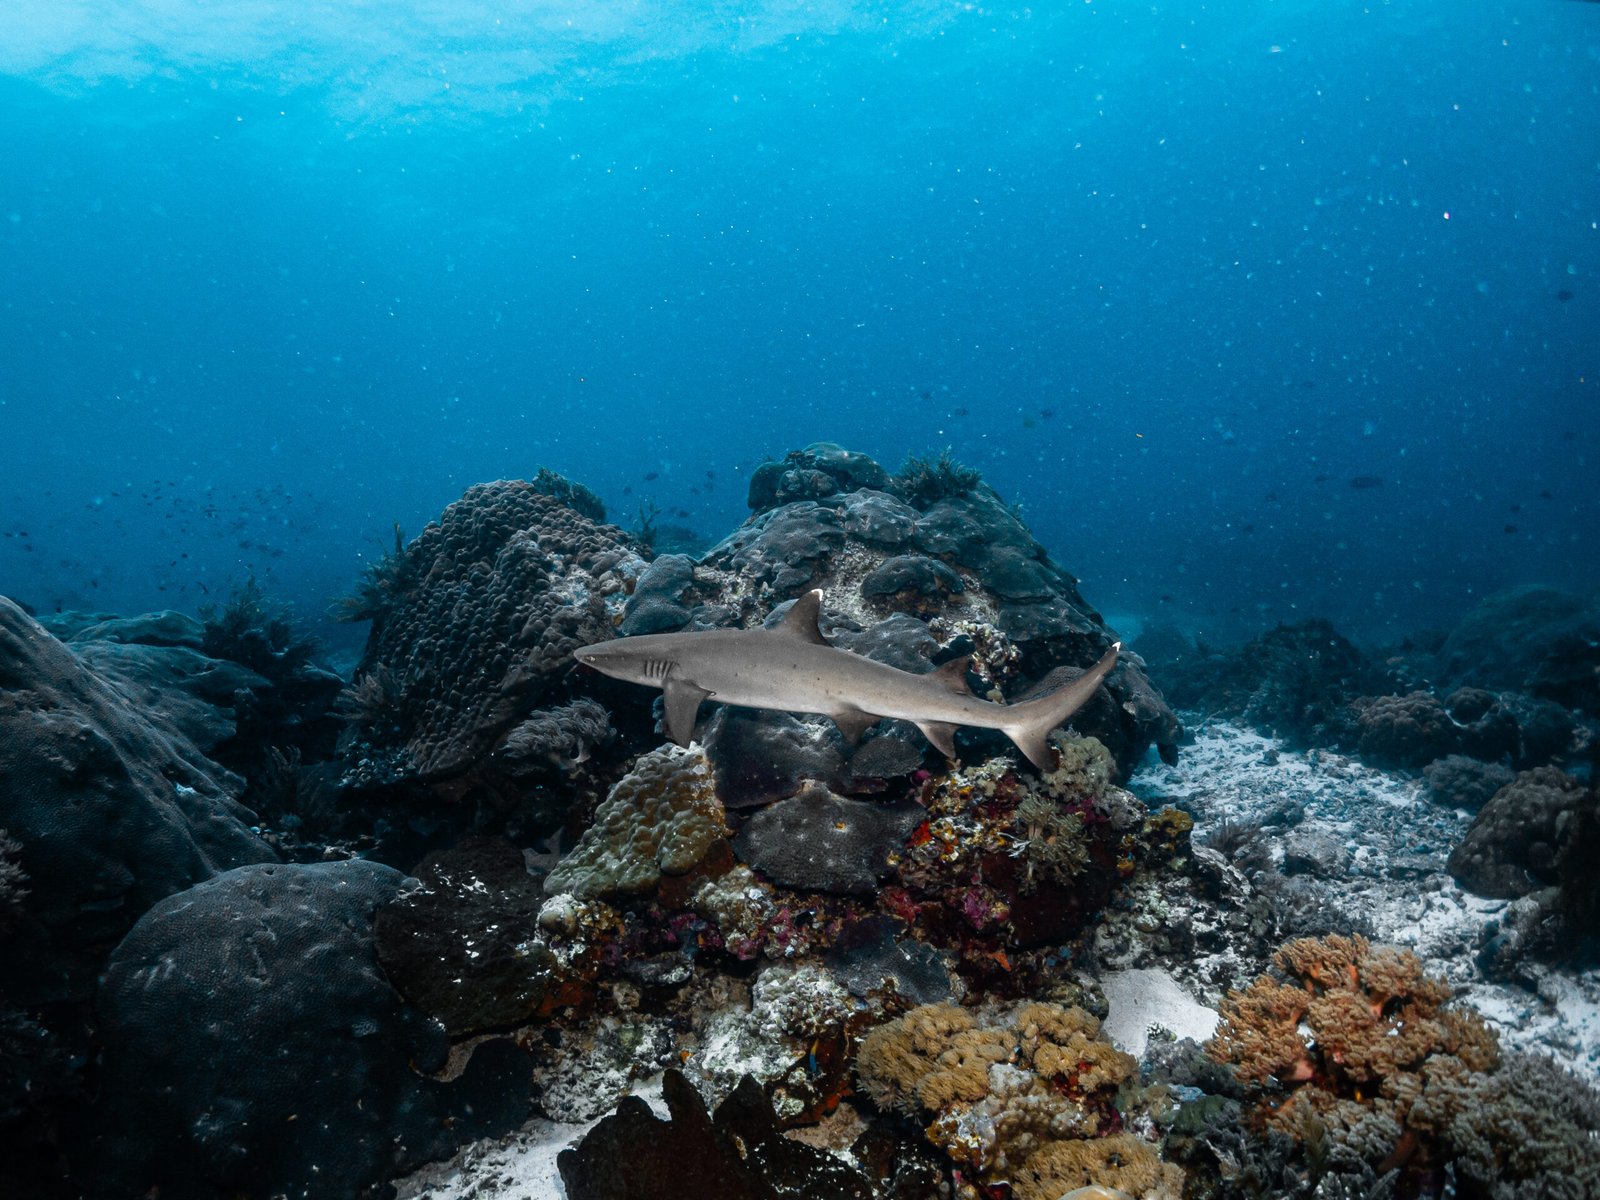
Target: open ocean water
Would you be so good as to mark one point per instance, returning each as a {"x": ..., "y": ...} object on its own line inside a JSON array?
[{"x": 1258, "y": 310}]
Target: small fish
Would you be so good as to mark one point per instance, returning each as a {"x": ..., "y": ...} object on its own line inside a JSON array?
[
  {"x": 1363, "y": 482},
  {"x": 1047, "y": 413},
  {"x": 652, "y": 475},
  {"x": 1510, "y": 529},
  {"x": 1564, "y": 295},
  {"x": 961, "y": 412}
]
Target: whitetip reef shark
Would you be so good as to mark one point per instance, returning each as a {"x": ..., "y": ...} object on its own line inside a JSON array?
[{"x": 791, "y": 667}]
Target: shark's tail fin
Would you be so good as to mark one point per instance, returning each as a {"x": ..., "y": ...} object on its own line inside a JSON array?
[{"x": 1032, "y": 720}]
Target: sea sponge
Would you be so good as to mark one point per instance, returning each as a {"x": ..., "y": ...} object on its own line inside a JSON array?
[{"x": 662, "y": 818}]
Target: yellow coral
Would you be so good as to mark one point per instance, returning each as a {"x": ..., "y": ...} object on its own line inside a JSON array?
[
  {"x": 1120, "y": 1161},
  {"x": 1005, "y": 1091}
]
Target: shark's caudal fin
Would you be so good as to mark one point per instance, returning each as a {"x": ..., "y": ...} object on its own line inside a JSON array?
[{"x": 1031, "y": 722}]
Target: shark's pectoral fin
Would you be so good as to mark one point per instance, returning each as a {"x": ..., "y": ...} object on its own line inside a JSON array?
[
  {"x": 852, "y": 722},
  {"x": 942, "y": 734},
  {"x": 682, "y": 701}
]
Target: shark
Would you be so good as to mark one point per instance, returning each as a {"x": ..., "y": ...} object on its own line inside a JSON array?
[{"x": 791, "y": 667}]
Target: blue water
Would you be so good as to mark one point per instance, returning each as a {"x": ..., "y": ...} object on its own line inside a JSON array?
[{"x": 1173, "y": 276}]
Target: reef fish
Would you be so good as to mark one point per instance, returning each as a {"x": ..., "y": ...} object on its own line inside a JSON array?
[{"x": 791, "y": 667}]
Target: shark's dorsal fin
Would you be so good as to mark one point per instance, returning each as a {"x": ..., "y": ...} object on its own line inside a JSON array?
[
  {"x": 801, "y": 620},
  {"x": 953, "y": 675}
]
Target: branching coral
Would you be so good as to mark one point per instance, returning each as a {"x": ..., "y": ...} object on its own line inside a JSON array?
[
  {"x": 1025, "y": 1098},
  {"x": 1354, "y": 1044},
  {"x": 384, "y": 579}
]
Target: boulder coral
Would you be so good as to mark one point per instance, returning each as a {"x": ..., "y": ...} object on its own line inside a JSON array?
[
  {"x": 492, "y": 600},
  {"x": 1514, "y": 843}
]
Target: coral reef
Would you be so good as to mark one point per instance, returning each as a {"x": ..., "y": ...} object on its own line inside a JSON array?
[
  {"x": 1403, "y": 731},
  {"x": 1026, "y": 1098},
  {"x": 1463, "y": 782},
  {"x": 662, "y": 818}
]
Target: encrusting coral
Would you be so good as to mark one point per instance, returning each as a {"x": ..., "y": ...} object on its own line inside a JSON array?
[
  {"x": 662, "y": 818},
  {"x": 1025, "y": 1098}
]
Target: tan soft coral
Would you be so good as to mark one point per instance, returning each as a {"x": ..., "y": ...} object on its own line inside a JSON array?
[
  {"x": 1357, "y": 1037},
  {"x": 1025, "y": 1098}
]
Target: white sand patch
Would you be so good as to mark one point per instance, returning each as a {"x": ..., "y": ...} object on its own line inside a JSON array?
[{"x": 1142, "y": 1000}]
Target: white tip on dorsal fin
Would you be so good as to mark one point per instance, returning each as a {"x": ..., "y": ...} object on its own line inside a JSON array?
[
  {"x": 801, "y": 620},
  {"x": 953, "y": 674}
]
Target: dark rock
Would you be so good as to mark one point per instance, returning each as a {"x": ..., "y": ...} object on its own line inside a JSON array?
[
  {"x": 821, "y": 842},
  {"x": 912, "y": 580},
  {"x": 879, "y": 951},
  {"x": 1545, "y": 731},
  {"x": 1487, "y": 729},
  {"x": 1012, "y": 575},
  {"x": 1513, "y": 844},
  {"x": 900, "y": 640},
  {"x": 113, "y": 806},
  {"x": 760, "y": 756},
  {"x": 879, "y": 519},
  {"x": 253, "y": 1046},
  {"x": 193, "y": 693},
  {"x": 657, "y": 604},
  {"x": 785, "y": 548},
  {"x": 821, "y": 469},
  {"x": 1529, "y": 639},
  {"x": 459, "y": 946},
  {"x": 882, "y": 758},
  {"x": 736, "y": 1154},
  {"x": 1294, "y": 681},
  {"x": 1311, "y": 852}
]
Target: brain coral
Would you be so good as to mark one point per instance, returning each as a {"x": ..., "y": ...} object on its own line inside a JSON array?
[
  {"x": 1023, "y": 1098},
  {"x": 662, "y": 818},
  {"x": 497, "y": 594}
]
